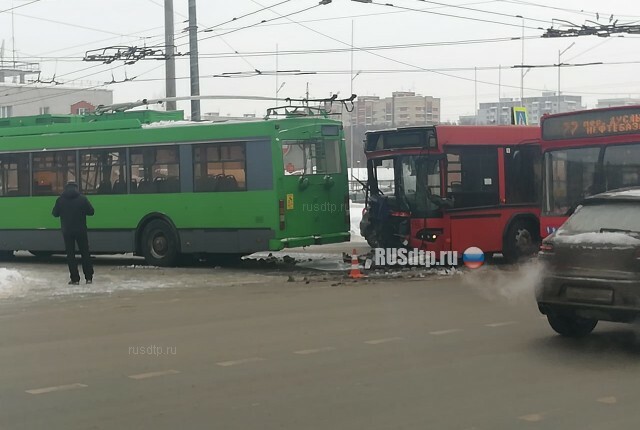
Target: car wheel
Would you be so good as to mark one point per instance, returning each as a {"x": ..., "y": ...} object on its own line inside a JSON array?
[
  {"x": 160, "y": 244},
  {"x": 571, "y": 325},
  {"x": 521, "y": 241}
]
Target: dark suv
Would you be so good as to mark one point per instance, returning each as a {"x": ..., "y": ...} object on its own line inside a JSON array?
[{"x": 592, "y": 263}]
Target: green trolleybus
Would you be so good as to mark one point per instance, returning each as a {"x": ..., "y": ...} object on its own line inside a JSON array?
[{"x": 162, "y": 187}]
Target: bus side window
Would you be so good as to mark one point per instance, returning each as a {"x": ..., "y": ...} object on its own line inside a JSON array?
[
  {"x": 522, "y": 175},
  {"x": 219, "y": 167},
  {"x": 14, "y": 175},
  {"x": 472, "y": 177},
  {"x": 52, "y": 171},
  {"x": 621, "y": 166}
]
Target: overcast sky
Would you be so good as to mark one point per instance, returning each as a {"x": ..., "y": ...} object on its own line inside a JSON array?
[{"x": 91, "y": 24}]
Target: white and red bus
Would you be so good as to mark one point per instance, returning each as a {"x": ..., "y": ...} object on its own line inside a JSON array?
[
  {"x": 455, "y": 187},
  {"x": 586, "y": 152}
]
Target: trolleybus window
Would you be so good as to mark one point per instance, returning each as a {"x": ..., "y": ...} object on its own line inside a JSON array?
[
  {"x": 220, "y": 167},
  {"x": 155, "y": 170},
  {"x": 51, "y": 171},
  {"x": 14, "y": 175},
  {"x": 103, "y": 171},
  {"x": 621, "y": 166},
  {"x": 571, "y": 175},
  {"x": 311, "y": 157}
]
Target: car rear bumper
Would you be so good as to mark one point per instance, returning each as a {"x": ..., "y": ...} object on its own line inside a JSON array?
[{"x": 603, "y": 299}]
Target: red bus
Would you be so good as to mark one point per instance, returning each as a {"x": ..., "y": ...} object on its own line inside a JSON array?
[
  {"x": 454, "y": 187},
  {"x": 586, "y": 152}
]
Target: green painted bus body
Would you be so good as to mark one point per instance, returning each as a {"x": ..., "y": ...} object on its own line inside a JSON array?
[{"x": 315, "y": 211}]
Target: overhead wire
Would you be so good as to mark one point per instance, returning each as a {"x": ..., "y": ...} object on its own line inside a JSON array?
[{"x": 19, "y": 6}]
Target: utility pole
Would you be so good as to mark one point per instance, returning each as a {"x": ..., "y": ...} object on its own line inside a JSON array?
[
  {"x": 193, "y": 61},
  {"x": 351, "y": 126},
  {"x": 170, "y": 62},
  {"x": 559, "y": 66},
  {"x": 475, "y": 92}
]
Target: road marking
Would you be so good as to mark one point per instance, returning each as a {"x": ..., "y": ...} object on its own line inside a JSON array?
[
  {"x": 153, "y": 374},
  {"x": 314, "y": 351},
  {"x": 57, "y": 388},
  {"x": 532, "y": 418},
  {"x": 611, "y": 400},
  {"x": 443, "y": 332},
  {"x": 241, "y": 361},
  {"x": 501, "y": 324},
  {"x": 379, "y": 341}
]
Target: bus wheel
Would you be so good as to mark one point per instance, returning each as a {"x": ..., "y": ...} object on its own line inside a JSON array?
[
  {"x": 521, "y": 241},
  {"x": 159, "y": 244}
]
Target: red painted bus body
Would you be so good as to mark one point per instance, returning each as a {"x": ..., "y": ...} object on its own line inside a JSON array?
[
  {"x": 454, "y": 187},
  {"x": 584, "y": 153}
]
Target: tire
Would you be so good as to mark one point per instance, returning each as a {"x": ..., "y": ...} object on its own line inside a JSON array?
[
  {"x": 522, "y": 240},
  {"x": 571, "y": 325},
  {"x": 160, "y": 244}
]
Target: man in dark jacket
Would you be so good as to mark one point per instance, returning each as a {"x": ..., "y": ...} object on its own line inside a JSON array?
[{"x": 73, "y": 208}]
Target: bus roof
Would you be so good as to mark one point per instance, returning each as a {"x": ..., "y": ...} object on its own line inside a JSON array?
[{"x": 438, "y": 136}]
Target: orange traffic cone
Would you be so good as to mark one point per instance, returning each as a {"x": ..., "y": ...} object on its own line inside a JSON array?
[{"x": 355, "y": 272}]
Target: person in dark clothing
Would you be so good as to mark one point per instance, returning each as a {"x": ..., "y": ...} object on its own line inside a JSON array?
[{"x": 73, "y": 208}]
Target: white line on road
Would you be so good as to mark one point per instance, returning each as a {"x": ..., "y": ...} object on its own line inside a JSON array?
[
  {"x": 532, "y": 418},
  {"x": 379, "y": 341},
  {"x": 57, "y": 388},
  {"x": 443, "y": 332},
  {"x": 611, "y": 400},
  {"x": 153, "y": 374},
  {"x": 501, "y": 324},
  {"x": 314, "y": 351},
  {"x": 241, "y": 361}
]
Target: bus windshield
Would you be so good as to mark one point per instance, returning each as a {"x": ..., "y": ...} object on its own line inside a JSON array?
[
  {"x": 311, "y": 157},
  {"x": 569, "y": 176}
]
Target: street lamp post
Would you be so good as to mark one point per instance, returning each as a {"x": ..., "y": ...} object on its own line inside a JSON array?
[
  {"x": 522, "y": 64},
  {"x": 559, "y": 66}
]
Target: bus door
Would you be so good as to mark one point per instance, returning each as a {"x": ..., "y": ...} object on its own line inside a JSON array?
[
  {"x": 429, "y": 228},
  {"x": 472, "y": 185},
  {"x": 314, "y": 187}
]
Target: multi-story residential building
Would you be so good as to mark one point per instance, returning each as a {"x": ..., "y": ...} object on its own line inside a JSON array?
[
  {"x": 403, "y": 108},
  {"x": 500, "y": 112},
  {"x": 623, "y": 101}
]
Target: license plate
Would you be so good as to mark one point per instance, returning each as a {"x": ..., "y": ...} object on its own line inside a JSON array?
[{"x": 591, "y": 295}]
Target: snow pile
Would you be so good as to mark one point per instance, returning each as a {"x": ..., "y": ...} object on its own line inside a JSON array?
[
  {"x": 10, "y": 280},
  {"x": 355, "y": 210},
  {"x": 605, "y": 238}
]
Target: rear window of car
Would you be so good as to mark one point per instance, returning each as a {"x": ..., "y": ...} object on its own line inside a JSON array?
[{"x": 614, "y": 216}]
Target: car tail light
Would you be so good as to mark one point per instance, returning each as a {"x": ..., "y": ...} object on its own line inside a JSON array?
[
  {"x": 281, "y": 207},
  {"x": 546, "y": 247},
  {"x": 347, "y": 211}
]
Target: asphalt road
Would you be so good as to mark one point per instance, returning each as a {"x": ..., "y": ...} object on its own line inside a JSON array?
[{"x": 459, "y": 352}]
